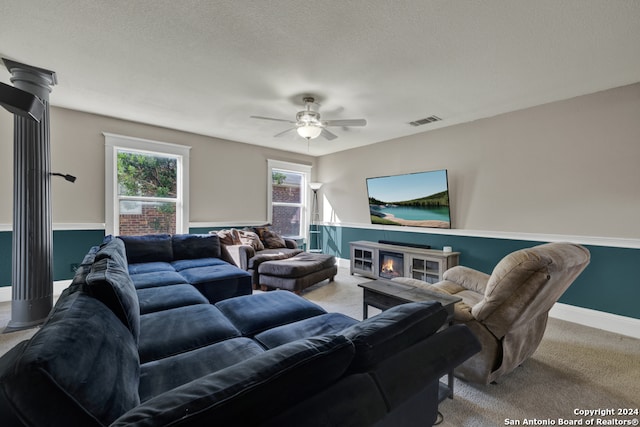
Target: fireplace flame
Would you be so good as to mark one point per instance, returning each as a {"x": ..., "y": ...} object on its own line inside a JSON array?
[{"x": 387, "y": 266}]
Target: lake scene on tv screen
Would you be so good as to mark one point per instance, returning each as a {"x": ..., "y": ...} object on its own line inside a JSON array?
[{"x": 414, "y": 200}]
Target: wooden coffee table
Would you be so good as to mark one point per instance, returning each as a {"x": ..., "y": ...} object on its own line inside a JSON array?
[{"x": 384, "y": 294}]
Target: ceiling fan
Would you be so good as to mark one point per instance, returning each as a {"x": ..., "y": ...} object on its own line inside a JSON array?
[{"x": 308, "y": 123}]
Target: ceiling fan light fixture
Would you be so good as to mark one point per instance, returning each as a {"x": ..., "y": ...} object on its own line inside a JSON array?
[
  {"x": 309, "y": 131},
  {"x": 308, "y": 123}
]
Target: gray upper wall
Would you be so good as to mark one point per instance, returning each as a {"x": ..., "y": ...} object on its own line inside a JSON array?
[
  {"x": 228, "y": 180},
  {"x": 569, "y": 167}
]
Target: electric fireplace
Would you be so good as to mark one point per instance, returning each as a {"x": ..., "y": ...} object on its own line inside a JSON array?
[{"x": 391, "y": 264}]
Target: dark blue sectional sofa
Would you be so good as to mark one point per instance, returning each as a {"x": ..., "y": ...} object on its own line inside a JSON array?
[
  {"x": 161, "y": 260},
  {"x": 141, "y": 338}
]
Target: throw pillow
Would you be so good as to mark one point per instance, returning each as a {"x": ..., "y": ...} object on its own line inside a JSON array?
[
  {"x": 229, "y": 237},
  {"x": 273, "y": 240},
  {"x": 260, "y": 230},
  {"x": 270, "y": 238},
  {"x": 250, "y": 238}
]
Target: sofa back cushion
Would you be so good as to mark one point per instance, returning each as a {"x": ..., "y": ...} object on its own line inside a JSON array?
[
  {"x": 393, "y": 330},
  {"x": 114, "y": 249},
  {"x": 109, "y": 282},
  {"x": 250, "y": 392},
  {"x": 148, "y": 248},
  {"x": 80, "y": 369},
  {"x": 80, "y": 275},
  {"x": 191, "y": 246}
]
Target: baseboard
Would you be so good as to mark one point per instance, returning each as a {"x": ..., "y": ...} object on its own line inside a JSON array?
[{"x": 597, "y": 319}]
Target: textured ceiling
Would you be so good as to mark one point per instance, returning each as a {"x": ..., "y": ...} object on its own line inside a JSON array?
[{"x": 206, "y": 66}]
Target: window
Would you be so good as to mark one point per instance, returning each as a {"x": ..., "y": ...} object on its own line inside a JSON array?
[
  {"x": 288, "y": 197},
  {"x": 146, "y": 189}
]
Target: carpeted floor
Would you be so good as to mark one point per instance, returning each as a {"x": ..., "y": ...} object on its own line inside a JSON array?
[{"x": 575, "y": 368}]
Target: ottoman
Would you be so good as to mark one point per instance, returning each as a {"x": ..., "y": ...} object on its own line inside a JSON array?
[{"x": 297, "y": 273}]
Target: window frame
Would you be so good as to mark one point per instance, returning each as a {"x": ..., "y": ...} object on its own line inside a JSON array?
[
  {"x": 305, "y": 196},
  {"x": 112, "y": 144}
]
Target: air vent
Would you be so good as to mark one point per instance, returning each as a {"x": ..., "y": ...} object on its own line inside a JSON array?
[{"x": 425, "y": 121}]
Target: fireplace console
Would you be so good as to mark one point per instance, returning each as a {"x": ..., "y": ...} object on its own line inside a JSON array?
[{"x": 386, "y": 261}]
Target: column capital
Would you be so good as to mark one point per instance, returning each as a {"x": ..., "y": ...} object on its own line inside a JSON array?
[{"x": 35, "y": 80}]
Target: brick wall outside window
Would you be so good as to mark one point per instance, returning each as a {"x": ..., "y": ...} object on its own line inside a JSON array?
[
  {"x": 150, "y": 221},
  {"x": 286, "y": 219}
]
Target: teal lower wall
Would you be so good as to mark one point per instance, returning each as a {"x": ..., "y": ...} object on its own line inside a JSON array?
[
  {"x": 69, "y": 247},
  {"x": 610, "y": 283},
  {"x": 5, "y": 258}
]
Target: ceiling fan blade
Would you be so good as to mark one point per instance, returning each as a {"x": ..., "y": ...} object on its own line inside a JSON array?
[
  {"x": 328, "y": 135},
  {"x": 271, "y": 118},
  {"x": 283, "y": 132},
  {"x": 346, "y": 122}
]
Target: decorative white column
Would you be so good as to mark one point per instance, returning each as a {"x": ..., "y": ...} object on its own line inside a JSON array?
[{"x": 32, "y": 263}]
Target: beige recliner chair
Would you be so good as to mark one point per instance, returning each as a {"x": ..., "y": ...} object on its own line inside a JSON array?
[{"x": 508, "y": 309}]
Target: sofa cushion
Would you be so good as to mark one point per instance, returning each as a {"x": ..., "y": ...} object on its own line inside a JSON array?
[
  {"x": 149, "y": 267},
  {"x": 324, "y": 324},
  {"x": 190, "y": 246},
  {"x": 109, "y": 282},
  {"x": 80, "y": 369},
  {"x": 355, "y": 400},
  {"x": 181, "y": 329},
  {"x": 154, "y": 279},
  {"x": 251, "y": 392},
  {"x": 90, "y": 256},
  {"x": 184, "y": 264},
  {"x": 397, "y": 328},
  {"x": 422, "y": 365},
  {"x": 115, "y": 250},
  {"x": 148, "y": 248},
  {"x": 219, "y": 282},
  {"x": 162, "y": 375},
  {"x": 253, "y": 314},
  {"x": 80, "y": 275},
  {"x": 166, "y": 297},
  {"x": 212, "y": 273}
]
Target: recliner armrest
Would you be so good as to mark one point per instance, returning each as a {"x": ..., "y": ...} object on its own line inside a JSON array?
[{"x": 468, "y": 278}]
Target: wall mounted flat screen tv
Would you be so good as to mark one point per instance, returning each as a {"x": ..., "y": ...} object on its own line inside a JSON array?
[{"x": 414, "y": 200}]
